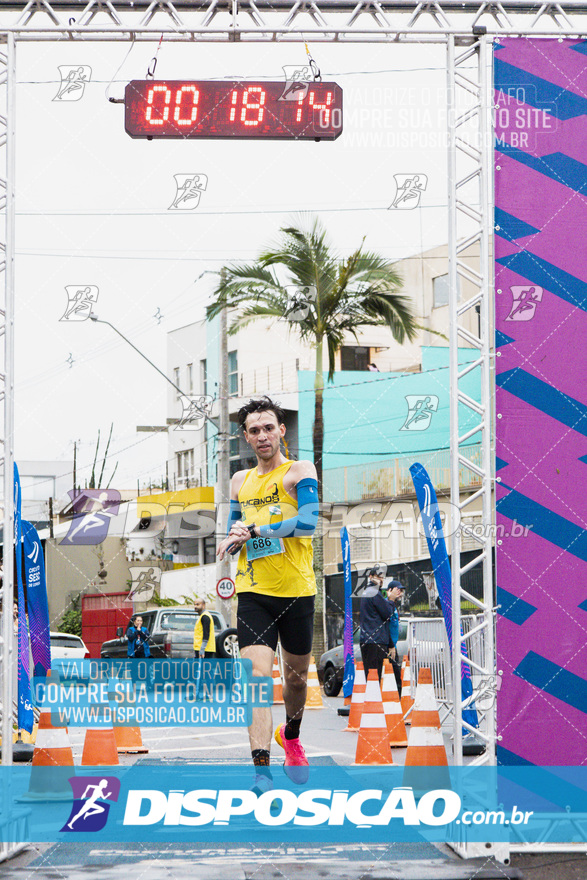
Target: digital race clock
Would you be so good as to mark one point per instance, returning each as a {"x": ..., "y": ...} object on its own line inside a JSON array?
[{"x": 211, "y": 109}]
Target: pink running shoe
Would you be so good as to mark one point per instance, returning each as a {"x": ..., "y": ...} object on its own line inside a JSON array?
[{"x": 296, "y": 764}]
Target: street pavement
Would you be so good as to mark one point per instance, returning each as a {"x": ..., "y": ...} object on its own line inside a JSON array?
[{"x": 325, "y": 741}]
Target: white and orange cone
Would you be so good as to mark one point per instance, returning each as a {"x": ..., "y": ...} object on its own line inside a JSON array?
[
  {"x": 392, "y": 709},
  {"x": 277, "y": 683},
  {"x": 100, "y": 749},
  {"x": 129, "y": 741},
  {"x": 357, "y": 698},
  {"x": 426, "y": 761},
  {"x": 313, "y": 695},
  {"x": 407, "y": 699},
  {"x": 52, "y": 760},
  {"x": 373, "y": 743}
]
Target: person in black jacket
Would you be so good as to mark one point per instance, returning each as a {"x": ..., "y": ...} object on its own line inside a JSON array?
[{"x": 374, "y": 617}]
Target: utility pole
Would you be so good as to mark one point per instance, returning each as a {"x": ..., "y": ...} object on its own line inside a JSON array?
[{"x": 222, "y": 494}]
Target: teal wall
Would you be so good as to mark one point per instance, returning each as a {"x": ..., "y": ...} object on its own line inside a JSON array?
[{"x": 365, "y": 412}]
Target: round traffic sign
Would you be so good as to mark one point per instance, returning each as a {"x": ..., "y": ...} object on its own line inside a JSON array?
[{"x": 225, "y": 588}]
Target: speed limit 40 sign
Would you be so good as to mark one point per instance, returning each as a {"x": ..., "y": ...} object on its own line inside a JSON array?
[{"x": 225, "y": 588}]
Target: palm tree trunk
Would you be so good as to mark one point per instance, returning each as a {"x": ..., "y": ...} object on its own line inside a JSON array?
[{"x": 318, "y": 442}]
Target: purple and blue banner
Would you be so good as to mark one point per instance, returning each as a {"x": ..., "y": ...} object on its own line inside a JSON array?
[
  {"x": 37, "y": 602},
  {"x": 432, "y": 526},
  {"x": 541, "y": 398},
  {"x": 348, "y": 648},
  {"x": 25, "y": 717}
]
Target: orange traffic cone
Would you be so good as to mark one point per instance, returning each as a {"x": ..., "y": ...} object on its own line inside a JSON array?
[
  {"x": 373, "y": 743},
  {"x": 407, "y": 699},
  {"x": 129, "y": 741},
  {"x": 313, "y": 695},
  {"x": 425, "y": 743},
  {"x": 277, "y": 683},
  {"x": 357, "y": 698},
  {"x": 392, "y": 709},
  {"x": 52, "y": 759},
  {"x": 100, "y": 749}
]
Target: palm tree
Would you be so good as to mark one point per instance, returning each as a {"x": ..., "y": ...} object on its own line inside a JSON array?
[{"x": 328, "y": 298}]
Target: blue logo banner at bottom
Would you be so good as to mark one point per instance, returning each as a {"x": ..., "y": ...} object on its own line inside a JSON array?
[{"x": 358, "y": 804}]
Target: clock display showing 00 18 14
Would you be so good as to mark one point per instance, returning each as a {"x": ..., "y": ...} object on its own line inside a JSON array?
[{"x": 217, "y": 109}]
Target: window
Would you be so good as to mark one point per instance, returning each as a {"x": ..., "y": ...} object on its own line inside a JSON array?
[
  {"x": 234, "y": 440},
  {"x": 178, "y": 622},
  {"x": 204, "y": 452},
  {"x": 176, "y": 381},
  {"x": 66, "y": 641},
  {"x": 361, "y": 544},
  {"x": 190, "y": 377},
  {"x": 354, "y": 357},
  {"x": 209, "y": 549},
  {"x": 468, "y": 541},
  {"x": 204, "y": 376},
  {"x": 185, "y": 464},
  {"x": 440, "y": 288},
  {"x": 232, "y": 373},
  {"x": 148, "y": 621}
]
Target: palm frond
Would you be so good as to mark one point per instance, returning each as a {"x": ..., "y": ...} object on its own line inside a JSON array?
[{"x": 362, "y": 289}]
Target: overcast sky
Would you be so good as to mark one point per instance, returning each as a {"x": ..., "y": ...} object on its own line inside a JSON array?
[{"x": 92, "y": 209}]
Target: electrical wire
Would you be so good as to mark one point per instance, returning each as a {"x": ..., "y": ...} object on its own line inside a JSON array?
[{"x": 222, "y": 212}]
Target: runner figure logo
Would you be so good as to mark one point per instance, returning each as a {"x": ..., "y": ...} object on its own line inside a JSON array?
[
  {"x": 93, "y": 510},
  {"x": 189, "y": 189},
  {"x": 90, "y": 808},
  {"x": 144, "y": 581},
  {"x": 421, "y": 408},
  {"x": 79, "y": 302},
  {"x": 34, "y": 554},
  {"x": 196, "y": 409},
  {"x": 74, "y": 79},
  {"x": 409, "y": 189},
  {"x": 525, "y": 298},
  {"x": 299, "y": 301},
  {"x": 297, "y": 80}
]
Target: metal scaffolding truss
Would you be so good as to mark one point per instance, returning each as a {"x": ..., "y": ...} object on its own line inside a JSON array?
[
  {"x": 469, "y": 225},
  {"x": 286, "y": 20}
]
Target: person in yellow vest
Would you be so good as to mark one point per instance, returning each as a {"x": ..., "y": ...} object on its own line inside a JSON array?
[
  {"x": 273, "y": 514},
  {"x": 204, "y": 638}
]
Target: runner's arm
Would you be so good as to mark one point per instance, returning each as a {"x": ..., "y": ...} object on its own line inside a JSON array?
[
  {"x": 304, "y": 524},
  {"x": 233, "y": 544},
  {"x": 234, "y": 514}
]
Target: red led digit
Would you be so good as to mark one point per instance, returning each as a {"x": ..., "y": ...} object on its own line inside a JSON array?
[
  {"x": 301, "y": 97},
  {"x": 178, "y": 99},
  {"x": 150, "y": 108},
  {"x": 233, "y": 100},
  {"x": 254, "y": 105},
  {"x": 323, "y": 108}
]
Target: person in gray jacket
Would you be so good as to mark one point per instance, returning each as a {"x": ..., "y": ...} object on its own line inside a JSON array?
[{"x": 374, "y": 617}]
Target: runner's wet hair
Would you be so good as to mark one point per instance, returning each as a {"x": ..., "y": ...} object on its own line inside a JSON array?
[{"x": 257, "y": 405}]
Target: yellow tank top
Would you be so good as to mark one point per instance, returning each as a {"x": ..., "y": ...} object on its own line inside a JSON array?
[
  {"x": 264, "y": 501},
  {"x": 199, "y": 634}
]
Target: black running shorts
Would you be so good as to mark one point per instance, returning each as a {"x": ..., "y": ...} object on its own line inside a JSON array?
[{"x": 261, "y": 619}]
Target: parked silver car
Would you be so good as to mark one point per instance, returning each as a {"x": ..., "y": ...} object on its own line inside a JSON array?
[{"x": 331, "y": 664}]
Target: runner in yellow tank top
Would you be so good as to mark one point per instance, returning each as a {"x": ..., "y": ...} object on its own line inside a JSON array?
[
  {"x": 287, "y": 570},
  {"x": 274, "y": 510}
]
